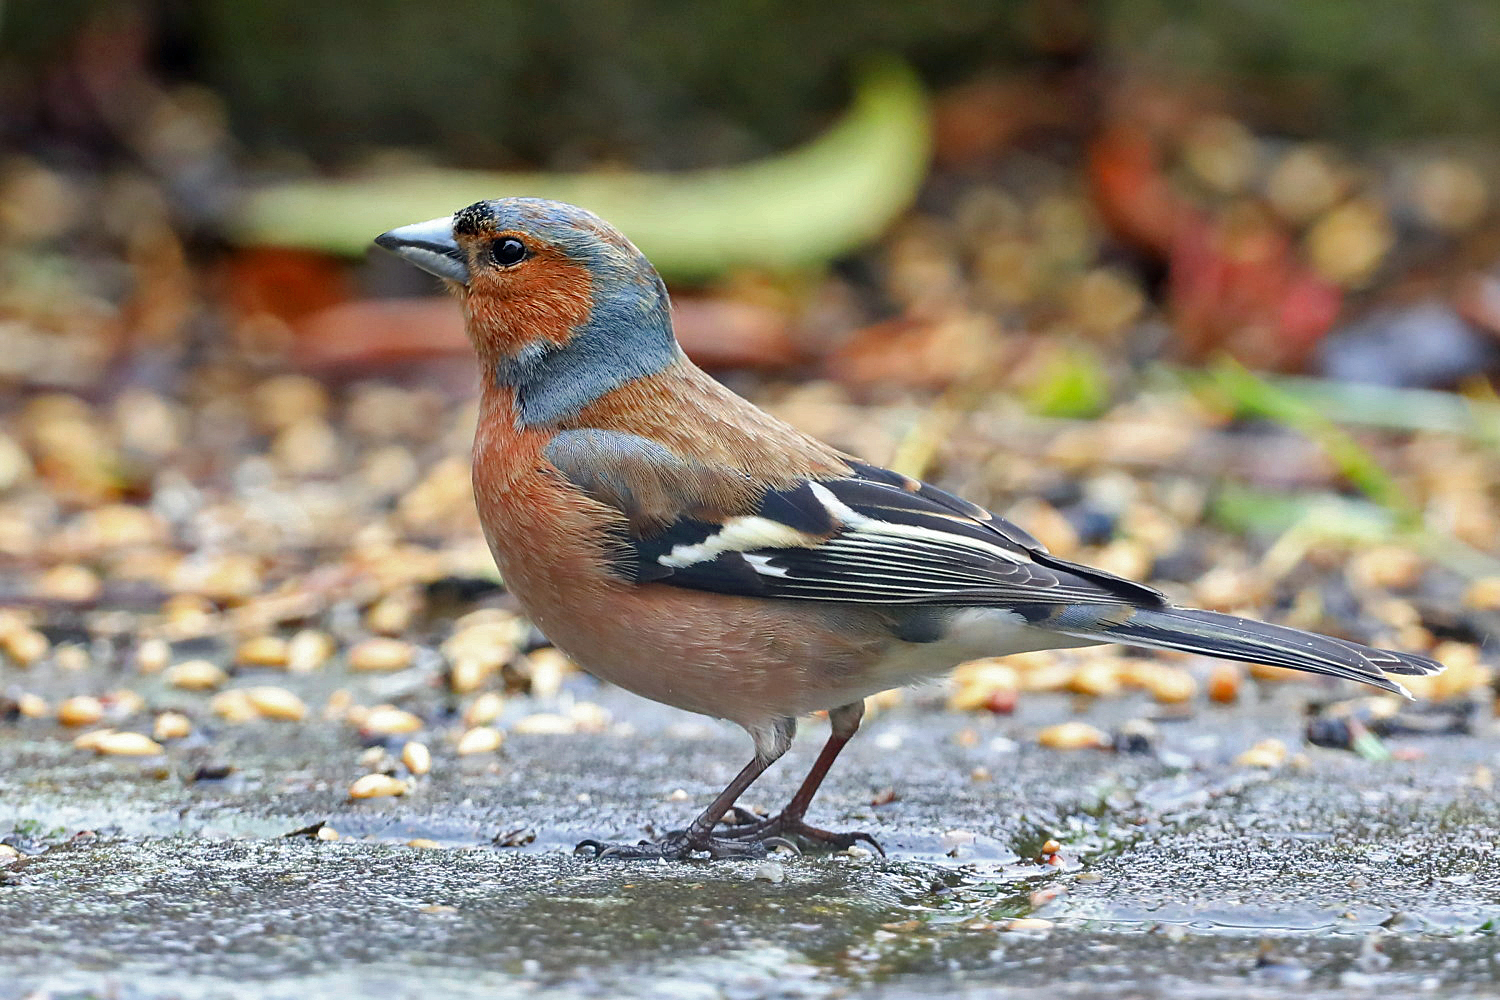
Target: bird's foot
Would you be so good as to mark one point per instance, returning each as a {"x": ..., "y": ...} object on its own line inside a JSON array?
[
  {"x": 744, "y": 826},
  {"x": 679, "y": 845}
]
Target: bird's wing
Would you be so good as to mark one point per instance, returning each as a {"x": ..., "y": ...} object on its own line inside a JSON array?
[{"x": 872, "y": 536}]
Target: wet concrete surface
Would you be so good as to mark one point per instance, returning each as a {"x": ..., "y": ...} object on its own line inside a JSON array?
[{"x": 1182, "y": 874}]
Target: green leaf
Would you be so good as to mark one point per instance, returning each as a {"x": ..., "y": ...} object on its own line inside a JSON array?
[{"x": 793, "y": 211}]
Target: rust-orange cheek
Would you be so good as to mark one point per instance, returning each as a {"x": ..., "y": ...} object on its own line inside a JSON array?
[{"x": 543, "y": 299}]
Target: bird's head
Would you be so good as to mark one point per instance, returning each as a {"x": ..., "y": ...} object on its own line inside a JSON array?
[{"x": 561, "y": 307}]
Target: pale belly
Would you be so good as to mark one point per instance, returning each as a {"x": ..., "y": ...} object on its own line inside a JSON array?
[{"x": 745, "y": 659}]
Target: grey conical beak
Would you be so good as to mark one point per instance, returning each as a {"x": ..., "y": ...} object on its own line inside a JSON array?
[{"x": 430, "y": 246}]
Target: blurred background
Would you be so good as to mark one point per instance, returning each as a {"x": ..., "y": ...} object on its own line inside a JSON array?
[{"x": 1204, "y": 292}]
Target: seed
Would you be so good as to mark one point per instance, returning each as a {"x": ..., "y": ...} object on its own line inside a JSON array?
[
  {"x": 69, "y": 583},
  {"x": 1349, "y": 242},
  {"x": 544, "y": 724},
  {"x": 589, "y": 717},
  {"x": 392, "y": 614},
  {"x": 262, "y": 651},
  {"x": 1099, "y": 679},
  {"x": 373, "y": 786},
  {"x": 152, "y": 656},
  {"x": 31, "y": 706},
  {"x": 196, "y": 675},
  {"x": 127, "y": 745},
  {"x": 1484, "y": 594},
  {"x": 388, "y": 720},
  {"x": 90, "y": 740},
  {"x": 977, "y": 681},
  {"x": 172, "y": 726},
  {"x": 416, "y": 757},
  {"x": 1170, "y": 685},
  {"x": 1267, "y": 672},
  {"x": 83, "y": 710},
  {"x": 422, "y": 842},
  {"x": 376, "y": 759},
  {"x": 547, "y": 668},
  {"x": 1072, "y": 736},
  {"x": 276, "y": 703},
  {"x": 72, "y": 658},
  {"x": 468, "y": 675},
  {"x": 1224, "y": 683},
  {"x": 1386, "y": 567},
  {"x": 480, "y": 739},
  {"x": 1033, "y": 924},
  {"x": 491, "y": 640},
  {"x": 308, "y": 650},
  {"x": 1266, "y": 753},
  {"x": 123, "y": 702},
  {"x": 381, "y": 654},
  {"x": 8, "y": 855},
  {"x": 25, "y": 645},
  {"x": 233, "y": 706},
  {"x": 484, "y": 710},
  {"x": 340, "y": 703},
  {"x": 326, "y": 832}
]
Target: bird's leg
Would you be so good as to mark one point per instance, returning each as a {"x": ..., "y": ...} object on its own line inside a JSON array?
[
  {"x": 698, "y": 837},
  {"x": 789, "y": 823}
]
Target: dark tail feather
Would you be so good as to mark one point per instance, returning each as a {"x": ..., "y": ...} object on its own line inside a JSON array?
[{"x": 1231, "y": 638}]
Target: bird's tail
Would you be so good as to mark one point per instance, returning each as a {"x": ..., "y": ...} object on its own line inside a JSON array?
[{"x": 1230, "y": 638}]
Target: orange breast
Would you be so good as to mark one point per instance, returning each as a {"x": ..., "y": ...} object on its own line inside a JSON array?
[{"x": 736, "y": 658}]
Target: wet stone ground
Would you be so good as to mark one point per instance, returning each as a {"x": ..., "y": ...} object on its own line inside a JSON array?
[{"x": 1182, "y": 873}]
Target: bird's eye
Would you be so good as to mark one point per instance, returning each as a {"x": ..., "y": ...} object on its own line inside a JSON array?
[{"x": 507, "y": 251}]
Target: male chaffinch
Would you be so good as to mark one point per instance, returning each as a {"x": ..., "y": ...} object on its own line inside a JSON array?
[{"x": 677, "y": 541}]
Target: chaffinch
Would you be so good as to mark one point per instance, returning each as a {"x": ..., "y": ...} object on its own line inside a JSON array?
[{"x": 676, "y": 540}]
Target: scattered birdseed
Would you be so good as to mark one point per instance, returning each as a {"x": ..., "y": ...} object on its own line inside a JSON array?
[
  {"x": 152, "y": 656},
  {"x": 388, "y": 720},
  {"x": 90, "y": 740},
  {"x": 1072, "y": 736},
  {"x": 547, "y": 668},
  {"x": 544, "y": 724},
  {"x": 233, "y": 706},
  {"x": 1224, "y": 683},
  {"x": 172, "y": 726},
  {"x": 416, "y": 757},
  {"x": 381, "y": 654},
  {"x": 1267, "y": 754},
  {"x": 196, "y": 675},
  {"x": 1035, "y": 925},
  {"x": 308, "y": 650},
  {"x": 423, "y": 842},
  {"x": 125, "y": 744},
  {"x": 271, "y": 702},
  {"x": 468, "y": 675},
  {"x": 373, "y": 786},
  {"x": 480, "y": 739},
  {"x": 24, "y": 645},
  {"x": 262, "y": 651},
  {"x": 81, "y": 710},
  {"x": 484, "y": 710}
]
